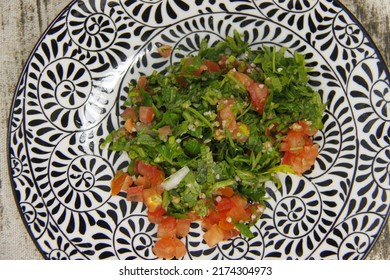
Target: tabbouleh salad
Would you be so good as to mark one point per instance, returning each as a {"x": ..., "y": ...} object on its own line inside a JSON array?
[{"x": 204, "y": 138}]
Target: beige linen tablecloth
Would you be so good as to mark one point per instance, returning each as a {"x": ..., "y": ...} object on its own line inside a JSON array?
[{"x": 22, "y": 24}]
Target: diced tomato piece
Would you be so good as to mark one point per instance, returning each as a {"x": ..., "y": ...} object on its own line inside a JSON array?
[
  {"x": 141, "y": 85},
  {"x": 165, "y": 51},
  {"x": 183, "y": 227},
  {"x": 130, "y": 113},
  {"x": 296, "y": 140},
  {"x": 225, "y": 204},
  {"x": 284, "y": 146},
  {"x": 259, "y": 94},
  {"x": 239, "y": 201},
  {"x": 238, "y": 212},
  {"x": 225, "y": 225},
  {"x": 206, "y": 223},
  {"x": 304, "y": 127},
  {"x": 226, "y": 191},
  {"x": 157, "y": 215},
  {"x": 212, "y": 66},
  {"x": 153, "y": 176},
  {"x": 142, "y": 82},
  {"x": 140, "y": 180},
  {"x": 157, "y": 180},
  {"x": 138, "y": 166},
  {"x": 121, "y": 181},
  {"x": 129, "y": 126},
  {"x": 146, "y": 114},
  {"x": 200, "y": 70},
  {"x": 164, "y": 249},
  {"x": 167, "y": 227},
  {"x": 180, "y": 248},
  {"x": 169, "y": 248},
  {"x": 135, "y": 193},
  {"x": 226, "y": 115},
  {"x": 207, "y": 66},
  {"x": 165, "y": 131},
  {"x": 244, "y": 79},
  {"x": 299, "y": 151},
  {"x": 301, "y": 160},
  {"x": 230, "y": 233},
  {"x": 213, "y": 236},
  {"x": 149, "y": 192},
  {"x": 215, "y": 216},
  {"x": 144, "y": 169},
  {"x": 228, "y": 119},
  {"x": 192, "y": 216}
]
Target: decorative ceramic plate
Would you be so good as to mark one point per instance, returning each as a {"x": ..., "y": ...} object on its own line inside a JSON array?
[{"x": 69, "y": 98}]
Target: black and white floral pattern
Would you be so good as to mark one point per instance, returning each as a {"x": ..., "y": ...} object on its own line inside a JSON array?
[{"x": 70, "y": 94}]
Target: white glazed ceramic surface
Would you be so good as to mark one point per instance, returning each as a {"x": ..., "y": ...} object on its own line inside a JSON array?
[{"x": 69, "y": 98}]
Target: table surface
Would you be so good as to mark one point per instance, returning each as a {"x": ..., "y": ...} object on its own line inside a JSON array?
[{"x": 22, "y": 24}]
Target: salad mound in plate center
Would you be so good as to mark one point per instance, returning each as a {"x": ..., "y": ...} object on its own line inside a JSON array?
[{"x": 205, "y": 136}]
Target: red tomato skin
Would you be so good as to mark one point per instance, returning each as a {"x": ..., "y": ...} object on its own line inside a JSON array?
[
  {"x": 153, "y": 176},
  {"x": 238, "y": 212},
  {"x": 301, "y": 160},
  {"x": 169, "y": 248},
  {"x": 183, "y": 227},
  {"x": 206, "y": 223},
  {"x": 192, "y": 216},
  {"x": 226, "y": 191},
  {"x": 299, "y": 151},
  {"x": 140, "y": 180},
  {"x": 226, "y": 114},
  {"x": 239, "y": 201},
  {"x": 207, "y": 66},
  {"x": 180, "y": 248},
  {"x": 215, "y": 216},
  {"x": 225, "y": 225},
  {"x": 200, "y": 70},
  {"x": 304, "y": 127},
  {"x": 244, "y": 79},
  {"x": 212, "y": 66},
  {"x": 165, "y": 51},
  {"x": 213, "y": 236},
  {"x": 225, "y": 204},
  {"x": 146, "y": 114},
  {"x": 130, "y": 113},
  {"x": 230, "y": 233},
  {"x": 121, "y": 181},
  {"x": 167, "y": 227},
  {"x": 156, "y": 216},
  {"x": 142, "y": 81},
  {"x": 164, "y": 248},
  {"x": 135, "y": 193},
  {"x": 259, "y": 94}
]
